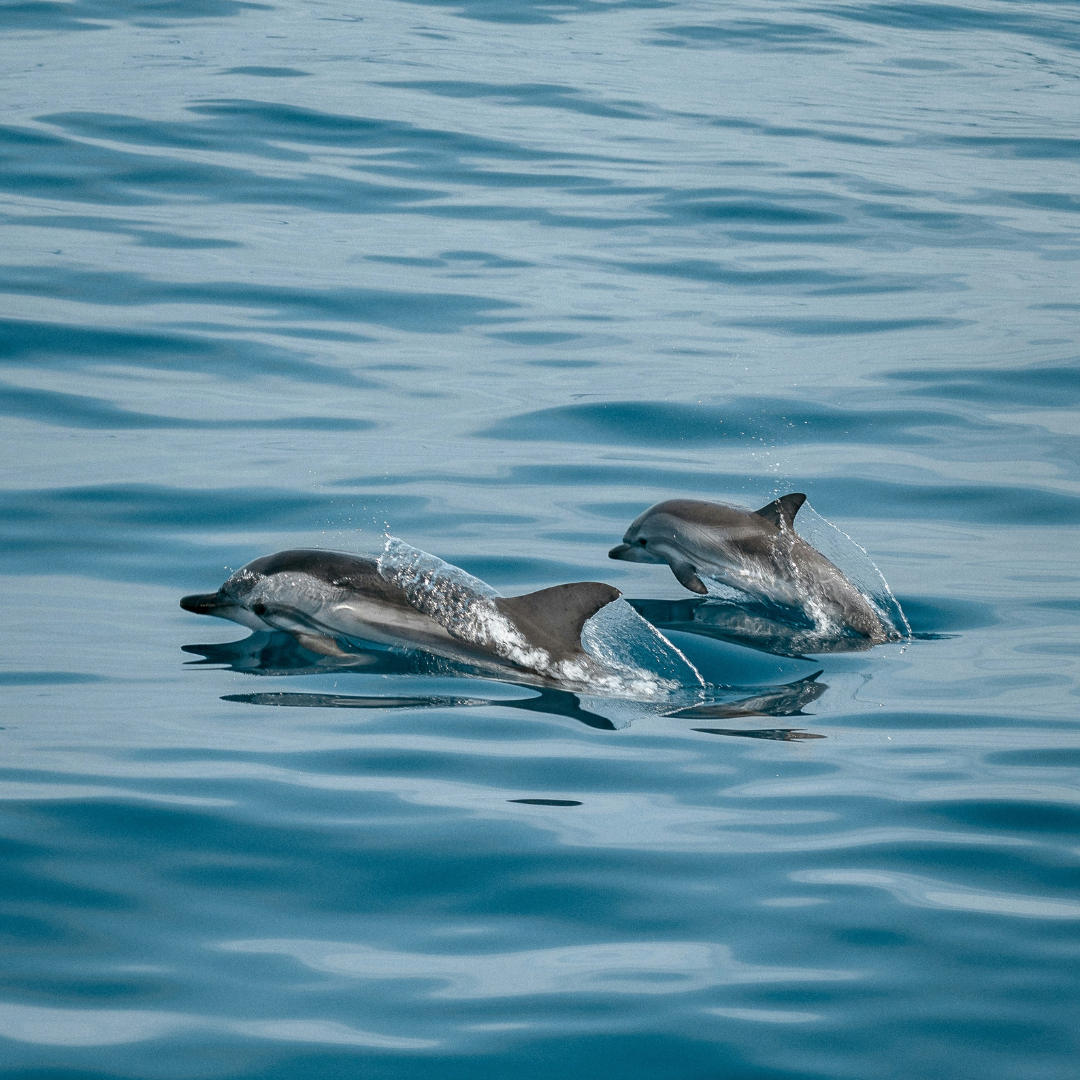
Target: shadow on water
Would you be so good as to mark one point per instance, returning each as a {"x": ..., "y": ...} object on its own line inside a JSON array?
[
  {"x": 775, "y": 734},
  {"x": 275, "y": 653}
]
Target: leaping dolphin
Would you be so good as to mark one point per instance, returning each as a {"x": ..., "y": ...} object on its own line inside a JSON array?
[
  {"x": 321, "y": 596},
  {"x": 756, "y": 552}
]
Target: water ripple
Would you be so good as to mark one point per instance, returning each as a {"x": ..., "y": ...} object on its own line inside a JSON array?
[
  {"x": 496, "y": 275},
  {"x": 625, "y": 967},
  {"x": 113, "y": 1027},
  {"x": 928, "y": 893}
]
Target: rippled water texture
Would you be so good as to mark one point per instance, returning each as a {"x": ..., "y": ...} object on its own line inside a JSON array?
[{"x": 494, "y": 276}]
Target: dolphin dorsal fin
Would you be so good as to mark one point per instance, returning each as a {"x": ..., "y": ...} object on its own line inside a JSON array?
[
  {"x": 552, "y": 618},
  {"x": 781, "y": 512}
]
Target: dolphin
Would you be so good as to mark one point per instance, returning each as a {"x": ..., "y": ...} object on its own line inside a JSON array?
[
  {"x": 757, "y": 552},
  {"x": 323, "y": 597}
]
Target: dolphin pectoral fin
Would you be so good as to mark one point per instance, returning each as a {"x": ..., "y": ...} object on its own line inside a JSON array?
[
  {"x": 688, "y": 577},
  {"x": 552, "y": 618},
  {"x": 781, "y": 512}
]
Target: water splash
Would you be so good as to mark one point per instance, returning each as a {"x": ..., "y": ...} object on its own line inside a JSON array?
[
  {"x": 624, "y": 656},
  {"x": 451, "y": 596},
  {"x": 854, "y": 561},
  {"x": 621, "y": 641},
  {"x": 793, "y": 612}
]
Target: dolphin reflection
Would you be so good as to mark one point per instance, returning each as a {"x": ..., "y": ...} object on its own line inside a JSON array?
[
  {"x": 276, "y": 653},
  {"x": 776, "y": 734},
  {"x": 755, "y": 624}
]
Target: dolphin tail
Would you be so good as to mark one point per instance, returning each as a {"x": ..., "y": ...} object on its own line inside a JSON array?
[
  {"x": 552, "y": 618},
  {"x": 781, "y": 512}
]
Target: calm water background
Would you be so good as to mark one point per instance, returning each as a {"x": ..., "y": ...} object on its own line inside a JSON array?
[{"x": 496, "y": 275}]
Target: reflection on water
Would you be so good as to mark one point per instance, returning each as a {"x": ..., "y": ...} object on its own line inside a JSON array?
[
  {"x": 553, "y": 702},
  {"x": 757, "y": 625},
  {"x": 625, "y": 967},
  {"x": 751, "y": 623},
  {"x": 775, "y": 734},
  {"x": 787, "y": 700},
  {"x": 924, "y": 892},
  {"x": 42, "y": 1026},
  {"x": 278, "y": 654}
]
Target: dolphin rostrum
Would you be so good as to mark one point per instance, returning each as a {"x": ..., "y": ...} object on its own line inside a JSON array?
[
  {"x": 757, "y": 552},
  {"x": 324, "y": 598}
]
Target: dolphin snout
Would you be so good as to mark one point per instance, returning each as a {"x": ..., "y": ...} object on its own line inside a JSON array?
[
  {"x": 201, "y": 603},
  {"x": 634, "y": 553}
]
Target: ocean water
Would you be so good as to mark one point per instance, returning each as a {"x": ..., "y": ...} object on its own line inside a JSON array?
[{"x": 493, "y": 276}]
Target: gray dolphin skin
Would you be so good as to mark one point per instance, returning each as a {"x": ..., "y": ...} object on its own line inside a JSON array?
[
  {"x": 757, "y": 552},
  {"x": 322, "y": 596}
]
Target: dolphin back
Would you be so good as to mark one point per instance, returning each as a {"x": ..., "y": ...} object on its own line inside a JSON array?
[
  {"x": 552, "y": 619},
  {"x": 332, "y": 567}
]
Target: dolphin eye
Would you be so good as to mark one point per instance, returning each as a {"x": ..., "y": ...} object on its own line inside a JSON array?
[
  {"x": 259, "y": 609},
  {"x": 643, "y": 542}
]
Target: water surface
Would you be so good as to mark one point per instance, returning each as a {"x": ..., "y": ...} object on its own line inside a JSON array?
[{"x": 495, "y": 276}]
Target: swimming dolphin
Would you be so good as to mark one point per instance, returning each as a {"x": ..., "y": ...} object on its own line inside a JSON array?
[
  {"x": 756, "y": 552},
  {"x": 320, "y": 596}
]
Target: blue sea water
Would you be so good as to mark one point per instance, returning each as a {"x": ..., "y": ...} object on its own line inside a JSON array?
[{"x": 494, "y": 276}]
